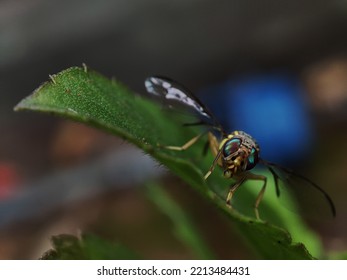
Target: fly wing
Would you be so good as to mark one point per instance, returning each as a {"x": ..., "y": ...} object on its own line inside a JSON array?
[
  {"x": 176, "y": 95},
  {"x": 312, "y": 200}
]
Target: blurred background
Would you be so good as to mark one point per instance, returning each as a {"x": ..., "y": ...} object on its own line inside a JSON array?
[{"x": 276, "y": 69}]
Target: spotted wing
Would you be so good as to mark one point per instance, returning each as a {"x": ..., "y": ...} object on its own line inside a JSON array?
[{"x": 177, "y": 95}]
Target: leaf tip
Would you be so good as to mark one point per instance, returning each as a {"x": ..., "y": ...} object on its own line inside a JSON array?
[{"x": 20, "y": 106}]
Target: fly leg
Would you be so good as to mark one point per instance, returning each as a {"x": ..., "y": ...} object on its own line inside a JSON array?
[
  {"x": 233, "y": 189},
  {"x": 260, "y": 194},
  {"x": 186, "y": 145},
  {"x": 215, "y": 161},
  {"x": 216, "y": 152}
]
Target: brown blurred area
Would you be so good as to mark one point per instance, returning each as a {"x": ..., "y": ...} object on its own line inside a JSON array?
[
  {"x": 57, "y": 176},
  {"x": 326, "y": 84}
]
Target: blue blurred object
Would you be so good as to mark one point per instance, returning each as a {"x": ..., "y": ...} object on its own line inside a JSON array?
[{"x": 271, "y": 108}]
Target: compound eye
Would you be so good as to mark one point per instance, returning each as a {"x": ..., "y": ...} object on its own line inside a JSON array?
[
  {"x": 231, "y": 146},
  {"x": 253, "y": 159}
]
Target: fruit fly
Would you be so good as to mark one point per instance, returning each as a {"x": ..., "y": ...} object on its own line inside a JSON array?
[{"x": 236, "y": 153}]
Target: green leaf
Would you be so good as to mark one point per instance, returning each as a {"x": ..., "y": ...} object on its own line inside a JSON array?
[
  {"x": 89, "y": 247},
  {"x": 183, "y": 225},
  {"x": 90, "y": 98},
  {"x": 338, "y": 256}
]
